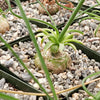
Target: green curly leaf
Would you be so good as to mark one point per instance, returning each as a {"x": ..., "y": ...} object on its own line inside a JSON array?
[
  {"x": 40, "y": 35},
  {"x": 70, "y": 36},
  {"x": 73, "y": 40},
  {"x": 95, "y": 18},
  {"x": 48, "y": 45},
  {"x": 72, "y": 30},
  {"x": 53, "y": 39},
  {"x": 52, "y": 32},
  {"x": 70, "y": 44}
]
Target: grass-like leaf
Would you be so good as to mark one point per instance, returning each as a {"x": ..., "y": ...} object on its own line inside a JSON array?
[
  {"x": 72, "y": 30},
  {"x": 7, "y": 97}
]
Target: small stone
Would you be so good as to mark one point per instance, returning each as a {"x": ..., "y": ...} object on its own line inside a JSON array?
[
  {"x": 63, "y": 75},
  {"x": 70, "y": 75},
  {"x": 48, "y": 90},
  {"x": 16, "y": 96},
  {"x": 2, "y": 82},
  {"x": 11, "y": 69},
  {"x": 42, "y": 80},
  {"x": 75, "y": 96},
  {"x": 93, "y": 47},
  {"x": 36, "y": 86},
  {"x": 38, "y": 74},
  {"x": 91, "y": 69},
  {"x": 60, "y": 87},
  {"x": 96, "y": 68},
  {"x": 98, "y": 85},
  {"x": 6, "y": 86},
  {"x": 55, "y": 75},
  {"x": 86, "y": 28},
  {"x": 93, "y": 25},
  {"x": 9, "y": 63},
  {"x": 15, "y": 65},
  {"x": 26, "y": 77},
  {"x": 56, "y": 83}
]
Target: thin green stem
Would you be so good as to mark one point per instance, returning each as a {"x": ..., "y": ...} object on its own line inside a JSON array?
[
  {"x": 32, "y": 36},
  {"x": 70, "y": 20},
  {"x": 84, "y": 87}
]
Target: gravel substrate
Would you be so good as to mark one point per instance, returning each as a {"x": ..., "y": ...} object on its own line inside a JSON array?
[{"x": 81, "y": 65}]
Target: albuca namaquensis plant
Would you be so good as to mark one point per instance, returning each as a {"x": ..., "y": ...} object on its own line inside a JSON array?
[{"x": 55, "y": 58}]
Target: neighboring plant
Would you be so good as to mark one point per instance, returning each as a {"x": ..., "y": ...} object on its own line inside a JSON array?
[
  {"x": 55, "y": 58},
  {"x": 52, "y": 7},
  {"x": 95, "y": 97},
  {"x": 57, "y": 46},
  {"x": 4, "y": 25}
]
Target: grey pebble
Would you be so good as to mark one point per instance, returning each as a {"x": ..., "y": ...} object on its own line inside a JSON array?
[
  {"x": 2, "y": 82},
  {"x": 26, "y": 76},
  {"x": 36, "y": 74},
  {"x": 9, "y": 63}
]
